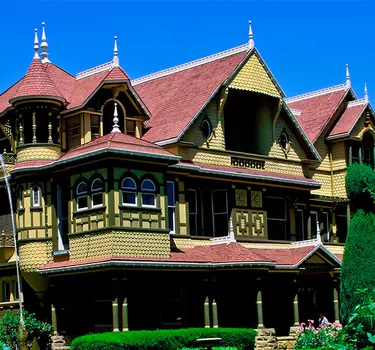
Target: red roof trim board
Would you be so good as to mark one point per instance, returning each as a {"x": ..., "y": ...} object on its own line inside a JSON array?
[
  {"x": 251, "y": 174},
  {"x": 211, "y": 256}
]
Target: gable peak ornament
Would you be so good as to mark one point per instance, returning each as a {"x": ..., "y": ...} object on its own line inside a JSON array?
[
  {"x": 251, "y": 36},
  {"x": 366, "y": 93},
  {"x": 348, "y": 82},
  {"x": 116, "y": 60},
  {"x": 44, "y": 45}
]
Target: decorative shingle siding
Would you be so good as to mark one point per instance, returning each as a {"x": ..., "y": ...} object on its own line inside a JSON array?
[
  {"x": 339, "y": 156},
  {"x": 34, "y": 255},
  {"x": 339, "y": 183},
  {"x": 253, "y": 77}
]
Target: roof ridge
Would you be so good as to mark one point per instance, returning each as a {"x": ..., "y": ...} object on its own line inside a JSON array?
[
  {"x": 358, "y": 102},
  {"x": 316, "y": 93},
  {"x": 91, "y": 71},
  {"x": 62, "y": 69},
  {"x": 191, "y": 64}
]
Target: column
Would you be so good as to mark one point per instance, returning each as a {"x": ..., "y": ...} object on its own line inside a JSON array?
[
  {"x": 206, "y": 313},
  {"x": 21, "y": 141},
  {"x": 125, "y": 320},
  {"x": 295, "y": 305},
  {"x": 260, "y": 305},
  {"x": 54, "y": 320},
  {"x": 348, "y": 216},
  {"x": 336, "y": 301},
  {"x": 215, "y": 322},
  {"x": 334, "y": 228},
  {"x": 34, "y": 128},
  {"x": 115, "y": 315}
]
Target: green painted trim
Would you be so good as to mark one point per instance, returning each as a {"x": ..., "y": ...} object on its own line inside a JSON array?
[
  {"x": 111, "y": 196},
  {"x": 117, "y": 228},
  {"x": 42, "y": 239},
  {"x": 138, "y": 209},
  {"x": 8, "y": 265}
]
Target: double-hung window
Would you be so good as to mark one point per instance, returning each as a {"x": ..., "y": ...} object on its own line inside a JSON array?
[
  {"x": 219, "y": 213},
  {"x": 171, "y": 207},
  {"x": 148, "y": 189},
  {"x": 81, "y": 194},
  {"x": 129, "y": 192},
  {"x": 276, "y": 218},
  {"x": 97, "y": 193},
  {"x": 36, "y": 192},
  {"x": 193, "y": 212}
]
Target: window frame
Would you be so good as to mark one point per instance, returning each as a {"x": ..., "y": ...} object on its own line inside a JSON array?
[
  {"x": 218, "y": 213},
  {"x": 173, "y": 207},
  {"x": 36, "y": 204},
  {"x": 301, "y": 234},
  {"x": 20, "y": 198},
  {"x": 315, "y": 212},
  {"x": 148, "y": 192},
  {"x": 95, "y": 192},
  {"x": 129, "y": 190},
  {"x": 285, "y": 220},
  {"x": 81, "y": 195},
  {"x": 196, "y": 211}
]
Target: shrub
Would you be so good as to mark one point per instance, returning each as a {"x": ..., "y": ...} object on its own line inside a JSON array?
[
  {"x": 317, "y": 337},
  {"x": 241, "y": 339},
  {"x": 36, "y": 330}
]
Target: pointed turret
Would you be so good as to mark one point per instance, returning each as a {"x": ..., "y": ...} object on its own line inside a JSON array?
[{"x": 37, "y": 83}]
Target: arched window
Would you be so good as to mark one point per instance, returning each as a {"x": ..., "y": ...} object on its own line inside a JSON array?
[
  {"x": 36, "y": 193},
  {"x": 148, "y": 193},
  {"x": 20, "y": 198},
  {"x": 129, "y": 191},
  {"x": 97, "y": 193},
  {"x": 81, "y": 193}
]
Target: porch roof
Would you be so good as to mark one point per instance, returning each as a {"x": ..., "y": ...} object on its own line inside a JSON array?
[{"x": 233, "y": 255}]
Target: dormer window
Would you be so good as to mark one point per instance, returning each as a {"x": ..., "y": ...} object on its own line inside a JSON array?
[
  {"x": 362, "y": 152},
  {"x": 148, "y": 189},
  {"x": 129, "y": 192},
  {"x": 97, "y": 193},
  {"x": 81, "y": 193}
]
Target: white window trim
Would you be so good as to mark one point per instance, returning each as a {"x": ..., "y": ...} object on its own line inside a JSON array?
[
  {"x": 317, "y": 221},
  {"x": 196, "y": 208},
  {"x": 81, "y": 195},
  {"x": 220, "y": 213},
  {"x": 37, "y": 203},
  {"x": 20, "y": 198},
  {"x": 149, "y": 192},
  {"x": 129, "y": 190},
  {"x": 174, "y": 206},
  {"x": 95, "y": 192}
]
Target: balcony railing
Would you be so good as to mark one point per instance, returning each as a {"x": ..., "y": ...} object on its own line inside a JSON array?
[
  {"x": 6, "y": 234},
  {"x": 9, "y": 158}
]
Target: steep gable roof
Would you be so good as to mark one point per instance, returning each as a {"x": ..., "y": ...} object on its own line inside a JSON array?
[
  {"x": 349, "y": 118},
  {"x": 174, "y": 97},
  {"x": 317, "y": 108}
]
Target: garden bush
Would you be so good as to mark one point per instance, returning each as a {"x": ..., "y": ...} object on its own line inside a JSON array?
[
  {"x": 239, "y": 338},
  {"x": 358, "y": 269}
]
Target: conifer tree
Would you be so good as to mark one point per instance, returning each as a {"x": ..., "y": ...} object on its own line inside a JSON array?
[{"x": 358, "y": 266}]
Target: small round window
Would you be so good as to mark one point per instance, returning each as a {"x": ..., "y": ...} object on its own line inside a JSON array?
[
  {"x": 284, "y": 141},
  {"x": 206, "y": 129}
]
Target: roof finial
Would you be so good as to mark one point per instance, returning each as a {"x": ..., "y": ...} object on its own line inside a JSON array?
[
  {"x": 366, "y": 93},
  {"x": 115, "y": 120},
  {"x": 36, "y": 45},
  {"x": 116, "y": 61},
  {"x": 44, "y": 45},
  {"x": 251, "y": 37},
  {"x": 348, "y": 83}
]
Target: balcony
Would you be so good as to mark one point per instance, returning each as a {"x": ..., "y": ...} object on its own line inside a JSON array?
[
  {"x": 9, "y": 158},
  {"x": 6, "y": 234}
]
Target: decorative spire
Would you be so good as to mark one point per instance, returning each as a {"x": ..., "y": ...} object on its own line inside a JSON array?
[
  {"x": 44, "y": 45},
  {"x": 36, "y": 45},
  {"x": 366, "y": 93},
  {"x": 251, "y": 38},
  {"x": 348, "y": 83},
  {"x": 115, "y": 120},
  {"x": 116, "y": 61}
]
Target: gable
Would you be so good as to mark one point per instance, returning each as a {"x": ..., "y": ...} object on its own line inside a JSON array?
[
  {"x": 320, "y": 258},
  {"x": 254, "y": 77}
]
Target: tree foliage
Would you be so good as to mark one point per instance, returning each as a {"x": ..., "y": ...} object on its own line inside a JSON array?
[{"x": 358, "y": 268}]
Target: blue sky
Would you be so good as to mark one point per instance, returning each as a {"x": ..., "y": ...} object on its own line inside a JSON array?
[{"x": 306, "y": 44}]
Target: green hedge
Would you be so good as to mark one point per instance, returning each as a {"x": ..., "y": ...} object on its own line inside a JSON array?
[{"x": 243, "y": 339}]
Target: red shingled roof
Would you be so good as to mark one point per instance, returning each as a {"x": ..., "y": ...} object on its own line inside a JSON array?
[
  {"x": 32, "y": 164},
  {"x": 174, "y": 99},
  {"x": 212, "y": 254},
  {"x": 37, "y": 82},
  {"x": 116, "y": 74},
  {"x": 348, "y": 119},
  {"x": 317, "y": 110},
  {"x": 118, "y": 141}
]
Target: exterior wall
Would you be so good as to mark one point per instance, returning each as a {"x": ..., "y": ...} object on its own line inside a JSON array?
[
  {"x": 38, "y": 152},
  {"x": 119, "y": 244}
]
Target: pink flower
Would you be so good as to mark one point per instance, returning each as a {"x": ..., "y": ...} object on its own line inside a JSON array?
[{"x": 303, "y": 324}]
